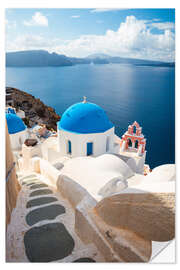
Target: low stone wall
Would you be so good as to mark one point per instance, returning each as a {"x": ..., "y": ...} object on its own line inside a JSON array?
[
  {"x": 49, "y": 171},
  {"x": 89, "y": 232},
  {"x": 72, "y": 190}
]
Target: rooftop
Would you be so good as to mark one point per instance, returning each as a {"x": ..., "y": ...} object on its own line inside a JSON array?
[{"x": 84, "y": 117}]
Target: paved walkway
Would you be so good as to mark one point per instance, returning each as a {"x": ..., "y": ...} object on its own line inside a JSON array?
[{"x": 42, "y": 227}]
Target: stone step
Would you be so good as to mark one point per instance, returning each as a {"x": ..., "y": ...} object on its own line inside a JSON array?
[
  {"x": 89, "y": 253},
  {"x": 44, "y": 213},
  {"x": 48, "y": 243},
  {"x": 40, "y": 201}
]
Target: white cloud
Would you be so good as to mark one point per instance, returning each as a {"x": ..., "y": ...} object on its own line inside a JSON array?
[
  {"x": 99, "y": 21},
  {"x": 106, "y": 9},
  {"x": 11, "y": 24},
  {"x": 29, "y": 42},
  {"x": 37, "y": 19},
  {"x": 163, "y": 25},
  {"x": 75, "y": 16},
  {"x": 133, "y": 39},
  {"x": 155, "y": 20}
]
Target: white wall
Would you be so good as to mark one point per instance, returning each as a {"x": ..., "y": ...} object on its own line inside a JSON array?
[
  {"x": 21, "y": 114},
  {"x": 79, "y": 142},
  {"x": 18, "y": 139},
  {"x": 50, "y": 143},
  {"x": 140, "y": 161}
]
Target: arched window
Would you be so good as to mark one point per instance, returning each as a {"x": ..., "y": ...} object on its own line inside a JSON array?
[
  {"x": 136, "y": 144},
  {"x": 134, "y": 129},
  {"x": 129, "y": 143},
  {"x": 69, "y": 147},
  {"x": 107, "y": 144},
  {"x": 89, "y": 148}
]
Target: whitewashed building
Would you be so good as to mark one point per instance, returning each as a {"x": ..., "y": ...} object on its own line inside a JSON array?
[
  {"x": 17, "y": 130},
  {"x": 85, "y": 130}
]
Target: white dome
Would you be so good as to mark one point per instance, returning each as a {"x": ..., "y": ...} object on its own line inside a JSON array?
[
  {"x": 163, "y": 173},
  {"x": 110, "y": 162},
  {"x": 93, "y": 173}
]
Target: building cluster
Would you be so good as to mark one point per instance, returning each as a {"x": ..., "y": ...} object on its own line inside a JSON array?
[{"x": 84, "y": 130}]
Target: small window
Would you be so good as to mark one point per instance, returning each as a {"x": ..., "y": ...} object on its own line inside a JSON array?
[
  {"x": 69, "y": 147},
  {"x": 89, "y": 148},
  {"x": 107, "y": 144},
  {"x": 136, "y": 144},
  {"x": 134, "y": 129},
  {"x": 129, "y": 143}
]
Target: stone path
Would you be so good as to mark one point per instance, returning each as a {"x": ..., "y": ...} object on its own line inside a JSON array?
[{"x": 42, "y": 227}]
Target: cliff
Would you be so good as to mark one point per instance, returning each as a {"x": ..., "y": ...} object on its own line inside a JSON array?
[
  {"x": 41, "y": 58},
  {"x": 36, "y": 58},
  {"x": 35, "y": 110}
]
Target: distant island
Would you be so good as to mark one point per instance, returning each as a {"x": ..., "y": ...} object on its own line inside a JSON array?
[{"x": 42, "y": 58}]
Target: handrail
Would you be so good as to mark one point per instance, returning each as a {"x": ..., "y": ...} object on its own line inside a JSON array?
[{"x": 10, "y": 171}]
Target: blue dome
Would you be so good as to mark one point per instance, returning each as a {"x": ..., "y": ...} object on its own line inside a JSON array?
[
  {"x": 10, "y": 110},
  {"x": 14, "y": 123},
  {"x": 84, "y": 118}
]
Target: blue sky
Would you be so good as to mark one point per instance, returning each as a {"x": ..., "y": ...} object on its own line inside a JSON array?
[{"x": 137, "y": 33}]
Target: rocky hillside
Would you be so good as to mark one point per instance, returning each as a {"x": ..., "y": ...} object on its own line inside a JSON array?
[{"x": 35, "y": 110}]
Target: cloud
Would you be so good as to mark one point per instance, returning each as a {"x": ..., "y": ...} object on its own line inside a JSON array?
[
  {"x": 133, "y": 39},
  {"x": 29, "y": 42},
  {"x": 95, "y": 10},
  {"x": 99, "y": 21},
  {"x": 163, "y": 25},
  {"x": 37, "y": 19},
  {"x": 10, "y": 24},
  {"x": 75, "y": 16}
]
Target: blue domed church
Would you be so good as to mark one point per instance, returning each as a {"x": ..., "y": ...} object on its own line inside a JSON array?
[
  {"x": 17, "y": 130},
  {"x": 85, "y": 130}
]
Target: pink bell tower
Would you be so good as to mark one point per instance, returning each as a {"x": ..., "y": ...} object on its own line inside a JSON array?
[
  {"x": 132, "y": 145},
  {"x": 133, "y": 139}
]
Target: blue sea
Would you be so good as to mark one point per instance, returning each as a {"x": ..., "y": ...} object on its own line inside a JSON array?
[{"x": 126, "y": 92}]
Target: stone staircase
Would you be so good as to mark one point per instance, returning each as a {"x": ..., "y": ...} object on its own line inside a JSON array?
[{"x": 42, "y": 226}]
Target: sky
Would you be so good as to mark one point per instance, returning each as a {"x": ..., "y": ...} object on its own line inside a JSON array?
[{"x": 135, "y": 33}]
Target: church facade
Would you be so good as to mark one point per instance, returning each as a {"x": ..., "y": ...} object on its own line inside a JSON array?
[{"x": 85, "y": 130}]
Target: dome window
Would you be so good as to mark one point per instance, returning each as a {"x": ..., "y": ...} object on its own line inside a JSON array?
[
  {"x": 89, "y": 148},
  {"x": 69, "y": 147}
]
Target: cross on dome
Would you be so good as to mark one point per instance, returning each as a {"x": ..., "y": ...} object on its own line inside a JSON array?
[{"x": 85, "y": 99}]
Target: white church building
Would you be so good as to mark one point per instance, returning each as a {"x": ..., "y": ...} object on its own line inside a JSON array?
[
  {"x": 17, "y": 130},
  {"x": 85, "y": 130}
]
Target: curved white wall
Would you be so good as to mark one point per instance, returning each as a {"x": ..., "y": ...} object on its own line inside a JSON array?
[
  {"x": 18, "y": 139},
  {"x": 79, "y": 143}
]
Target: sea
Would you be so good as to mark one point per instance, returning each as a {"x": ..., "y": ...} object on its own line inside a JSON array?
[{"x": 127, "y": 93}]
